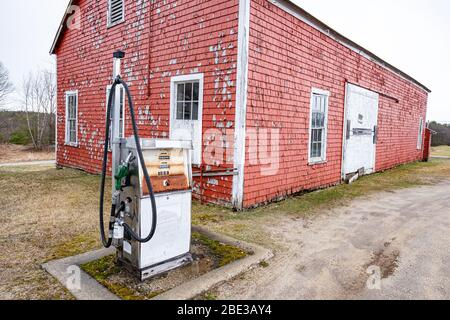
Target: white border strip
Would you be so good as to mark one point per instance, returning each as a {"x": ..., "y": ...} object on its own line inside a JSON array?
[{"x": 241, "y": 102}]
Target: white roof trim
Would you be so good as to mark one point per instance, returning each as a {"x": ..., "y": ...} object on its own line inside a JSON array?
[{"x": 61, "y": 28}]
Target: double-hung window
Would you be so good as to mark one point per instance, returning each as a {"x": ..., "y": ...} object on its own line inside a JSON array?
[
  {"x": 420, "y": 137},
  {"x": 72, "y": 118},
  {"x": 318, "y": 126}
]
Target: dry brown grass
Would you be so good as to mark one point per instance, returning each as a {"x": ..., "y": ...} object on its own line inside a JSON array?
[
  {"x": 49, "y": 214},
  {"x": 46, "y": 214},
  {"x": 14, "y": 153},
  {"x": 441, "y": 151}
]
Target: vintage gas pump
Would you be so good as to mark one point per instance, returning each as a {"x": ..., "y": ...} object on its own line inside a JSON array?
[{"x": 150, "y": 222}]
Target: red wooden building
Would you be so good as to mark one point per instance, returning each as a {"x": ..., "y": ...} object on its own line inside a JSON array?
[{"x": 275, "y": 101}]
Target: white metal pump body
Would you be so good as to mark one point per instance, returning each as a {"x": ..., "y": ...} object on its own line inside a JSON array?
[{"x": 169, "y": 165}]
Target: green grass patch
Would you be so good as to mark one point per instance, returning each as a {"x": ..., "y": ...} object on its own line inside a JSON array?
[
  {"x": 210, "y": 296},
  {"x": 309, "y": 203},
  {"x": 223, "y": 252},
  {"x": 102, "y": 269},
  {"x": 405, "y": 176},
  {"x": 77, "y": 245},
  {"x": 207, "y": 213}
]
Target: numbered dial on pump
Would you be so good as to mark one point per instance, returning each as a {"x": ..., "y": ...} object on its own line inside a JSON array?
[{"x": 167, "y": 169}]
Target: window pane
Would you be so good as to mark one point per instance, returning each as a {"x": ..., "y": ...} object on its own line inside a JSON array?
[
  {"x": 195, "y": 111},
  {"x": 316, "y": 103},
  {"x": 321, "y": 121},
  {"x": 314, "y": 150},
  {"x": 188, "y": 92},
  {"x": 319, "y": 150},
  {"x": 187, "y": 110},
  {"x": 319, "y": 109},
  {"x": 71, "y": 107},
  {"x": 316, "y": 120},
  {"x": 314, "y": 139},
  {"x": 180, "y": 111},
  {"x": 180, "y": 92},
  {"x": 196, "y": 91},
  {"x": 71, "y": 119}
]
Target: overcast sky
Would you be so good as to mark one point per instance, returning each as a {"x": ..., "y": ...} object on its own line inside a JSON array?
[{"x": 413, "y": 35}]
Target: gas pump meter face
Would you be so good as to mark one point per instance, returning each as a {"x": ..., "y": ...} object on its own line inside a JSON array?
[{"x": 167, "y": 169}]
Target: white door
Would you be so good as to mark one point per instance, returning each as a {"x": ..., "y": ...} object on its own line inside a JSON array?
[
  {"x": 361, "y": 130},
  {"x": 186, "y": 112}
]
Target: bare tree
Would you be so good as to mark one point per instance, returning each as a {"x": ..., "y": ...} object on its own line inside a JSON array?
[
  {"x": 39, "y": 104},
  {"x": 6, "y": 86}
]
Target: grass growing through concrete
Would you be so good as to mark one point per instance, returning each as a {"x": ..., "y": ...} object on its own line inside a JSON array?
[
  {"x": 102, "y": 269},
  {"x": 223, "y": 252},
  {"x": 212, "y": 253}
]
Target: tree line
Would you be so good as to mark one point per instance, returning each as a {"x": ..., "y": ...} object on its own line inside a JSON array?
[
  {"x": 442, "y": 134},
  {"x": 34, "y": 123}
]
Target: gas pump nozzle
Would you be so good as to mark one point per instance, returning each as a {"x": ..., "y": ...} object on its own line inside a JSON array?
[{"x": 123, "y": 171}]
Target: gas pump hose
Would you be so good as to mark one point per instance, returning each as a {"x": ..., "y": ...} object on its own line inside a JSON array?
[{"x": 107, "y": 239}]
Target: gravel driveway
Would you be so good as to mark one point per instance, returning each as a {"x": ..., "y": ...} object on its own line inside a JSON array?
[{"x": 401, "y": 237}]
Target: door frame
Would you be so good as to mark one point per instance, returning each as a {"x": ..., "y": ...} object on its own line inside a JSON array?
[
  {"x": 173, "y": 105},
  {"x": 344, "y": 132}
]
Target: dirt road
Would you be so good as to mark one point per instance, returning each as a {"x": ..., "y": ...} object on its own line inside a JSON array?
[{"x": 402, "y": 236}]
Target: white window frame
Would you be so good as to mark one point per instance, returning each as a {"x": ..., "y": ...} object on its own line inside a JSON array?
[
  {"x": 110, "y": 25},
  {"x": 173, "y": 104},
  {"x": 420, "y": 137},
  {"x": 175, "y": 81},
  {"x": 117, "y": 97},
  {"x": 323, "y": 158},
  {"x": 67, "y": 140}
]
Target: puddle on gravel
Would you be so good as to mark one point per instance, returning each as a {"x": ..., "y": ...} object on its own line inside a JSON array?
[{"x": 387, "y": 261}]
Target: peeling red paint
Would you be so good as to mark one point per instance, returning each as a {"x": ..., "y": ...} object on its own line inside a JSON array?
[
  {"x": 181, "y": 35},
  {"x": 288, "y": 58}
]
